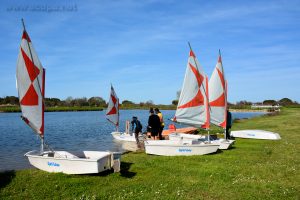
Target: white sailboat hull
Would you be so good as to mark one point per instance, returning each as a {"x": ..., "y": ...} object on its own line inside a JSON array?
[
  {"x": 89, "y": 162},
  {"x": 179, "y": 148},
  {"x": 256, "y": 134},
  {"x": 224, "y": 144},
  {"x": 121, "y": 136}
]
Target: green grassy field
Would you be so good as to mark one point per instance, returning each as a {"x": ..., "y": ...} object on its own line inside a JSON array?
[{"x": 253, "y": 169}]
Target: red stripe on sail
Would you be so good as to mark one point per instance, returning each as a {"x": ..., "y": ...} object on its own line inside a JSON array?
[
  {"x": 219, "y": 59},
  {"x": 32, "y": 70},
  {"x": 30, "y": 98},
  {"x": 197, "y": 74},
  {"x": 219, "y": 102},
  {"x": 114, "y": 99},
  {"x": 198, "y": 100},
  {"x": 26, "y": 36},
  {"x": 192, "y": 54},
  {"x": 223, "y": 124},
  {"x": 206, "y": 124},
  {"x": 221, "y": 78},
  {"x": 113, "y": 111}
]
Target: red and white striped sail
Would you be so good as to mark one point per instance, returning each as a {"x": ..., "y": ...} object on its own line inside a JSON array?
[
  {"x": 218, "y": 95},
  {"x": 31, "y": 85},
  {"x": 112, "y": 113},
  {"x": 192, "y": 106}
]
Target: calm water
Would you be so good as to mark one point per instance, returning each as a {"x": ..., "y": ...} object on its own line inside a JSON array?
[{"x": 72, "y": 131}]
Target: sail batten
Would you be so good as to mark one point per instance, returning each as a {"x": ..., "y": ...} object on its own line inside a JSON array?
[
  {"x": 112, "y": 113},
  {"x": 193, "y": 100},
  {"x": 218, "y": 95},
  {"x": 30, "y": 81}
]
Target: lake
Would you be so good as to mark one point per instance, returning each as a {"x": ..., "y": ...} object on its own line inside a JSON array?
[{"x": 72, "y": 131}]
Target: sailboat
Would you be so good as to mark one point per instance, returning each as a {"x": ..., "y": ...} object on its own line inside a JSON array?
[
  {"x": 113, "y": 116},
  {"x": 218, "y": 101},
  {"x": 217, "y": 88},
  {"x": 30, "y": 76},
  {"x": 192, "y": 110}
]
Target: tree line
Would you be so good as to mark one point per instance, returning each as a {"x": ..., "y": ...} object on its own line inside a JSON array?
[
  {"x": 75, "y": 102},
  {"x": 100, "y": 102}
]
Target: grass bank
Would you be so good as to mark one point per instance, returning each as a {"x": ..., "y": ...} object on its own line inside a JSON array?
[{"x": 254, "y": 169}]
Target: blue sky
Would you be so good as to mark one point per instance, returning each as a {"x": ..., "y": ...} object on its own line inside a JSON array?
[{"x": 141, "y": 46}]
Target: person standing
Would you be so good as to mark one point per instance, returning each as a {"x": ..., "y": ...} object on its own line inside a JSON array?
[
  {"x": 228, "y": 124},
  {"x": 153, "y": 124},
  {"x": 162, "y": 124},
  {"x": 137, "y": 128}
]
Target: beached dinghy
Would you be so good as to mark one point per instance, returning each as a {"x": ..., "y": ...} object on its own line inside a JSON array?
[
  {"x": 217, "y": 88},
  {"x": 192, "y": 110},
  {"x": 256, "y": 134},
  {"x": 224, "y": 144},
  {"x": 31, "y": 90},
  {"x": 113, "y": 115}
]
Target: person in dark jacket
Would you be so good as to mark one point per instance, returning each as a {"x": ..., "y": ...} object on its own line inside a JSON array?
[
  {"x": 154, "y": 124},
  {"x": 228, "y": 124},
  {"x": 136, "y": 128},
  {"x": 162, "y": 123}
]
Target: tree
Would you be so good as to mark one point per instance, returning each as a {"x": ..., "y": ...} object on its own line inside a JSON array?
[
  {"x": 127, "y": 102},
  {"x": 53, "y": 102},
  {"x": 80, "y": 102},
  {"x": 269, "y": 102},
  {"x": 149, "y": 103},
  {"x": 68, "y": 101},
  {"x": 11, "y": 100},
  {"x": 285, "y": 102},
  {"x": 96, "y": 101},
  {"x": 243, "y": 103},
  {"x": 175, "y": 102}
]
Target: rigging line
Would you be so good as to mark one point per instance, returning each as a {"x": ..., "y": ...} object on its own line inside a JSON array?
[
  {"x": 204, "y": 77},
  {"x": 225, "y": 86},
  {"x": 40, "y": 90}
]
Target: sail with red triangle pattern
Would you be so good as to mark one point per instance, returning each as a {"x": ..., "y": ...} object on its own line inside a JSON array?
[
  {"x": 193, "y": 101},
  {"x": 218, "y": 95},
  {"x": 112, "y": 113},
  {"x": 31, "y": 85}
]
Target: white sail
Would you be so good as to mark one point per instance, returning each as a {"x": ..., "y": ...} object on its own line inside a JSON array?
[
  {"x": 218, "y": 95},
  {"x": 112, "y": 113},
  {"x": 192, "y": 106},
  {"x": 30, "y": 85}
]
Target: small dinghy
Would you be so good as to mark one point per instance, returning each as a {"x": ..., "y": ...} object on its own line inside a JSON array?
[
  {"x": 256, "y": 134},
  {"x": 31, "y": 91},
  {"x": 123, "y": 136},
  {"x": 113, "y": 115}
]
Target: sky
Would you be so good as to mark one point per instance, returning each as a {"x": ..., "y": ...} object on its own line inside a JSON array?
[{"x": 141, "y": 47}]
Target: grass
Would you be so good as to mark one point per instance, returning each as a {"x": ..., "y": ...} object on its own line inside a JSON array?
[{"x": 253, "y": 169}]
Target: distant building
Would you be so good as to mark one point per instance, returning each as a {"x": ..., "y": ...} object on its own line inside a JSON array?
[{"x": 269, "y": 107}]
